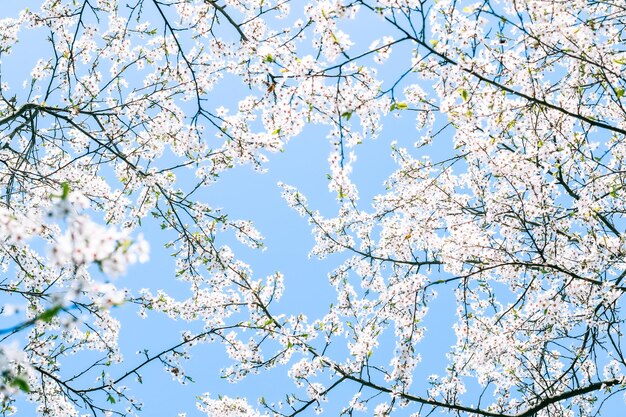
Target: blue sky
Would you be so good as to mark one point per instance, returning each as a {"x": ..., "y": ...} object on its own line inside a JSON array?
[{"x": 246, "y": 194}]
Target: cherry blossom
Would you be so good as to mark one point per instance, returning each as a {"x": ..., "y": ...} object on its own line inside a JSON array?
[{"x": 505, "y": 125}]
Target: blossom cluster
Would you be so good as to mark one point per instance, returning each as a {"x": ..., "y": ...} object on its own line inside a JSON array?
[
  {"x": 506, "y": 200},
  {"x": 86, "y": 242}
]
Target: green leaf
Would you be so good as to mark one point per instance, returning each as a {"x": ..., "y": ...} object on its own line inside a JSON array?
[
  {"x": 347, "y": 115},
  {"x": 464, "y": 94},
  {"x": 124, "y": 245},
  {"x": 19, "y": 383},
  {"x": 619, "y": 92},
  {"x": 65, "y": 191},
  {"x": 276, "y": 132},
  {"x": 49, "y": 314},
  {"x": 110, "y": 399},
  {"x": 399, "y": 105}
]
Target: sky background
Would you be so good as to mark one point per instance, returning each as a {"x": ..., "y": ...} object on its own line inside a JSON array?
[{"x": 246, "y": 194}]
